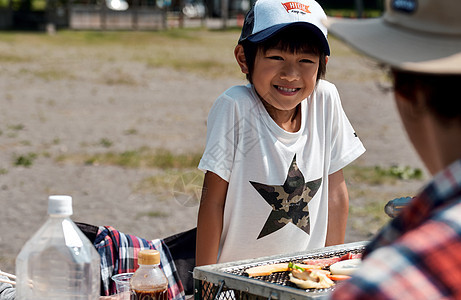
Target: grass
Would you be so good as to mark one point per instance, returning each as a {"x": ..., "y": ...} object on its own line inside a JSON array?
[
  {"x": 178, "y": 175},
  {"x": 352, "y": 13},
  {"x": 371, "y": 187},
  {"x": 201, "y": 51},
  {"x": 184, "y": 185},
  {"x": 25, "y": 160},
  {"x": 120, "y": 78},
  {"x": 35, "y": 5},
  {"x": 16, "y": 127},
  {"x": 153, "y": 214},
  {"x": 143, "y": 157},
  {"x": 50, "y": 74},
  {"x": 368, "y": 219},
  {"x": 366, "y": 209},
  {"x": 378, "y": 175},
  {"x": 131, "y": 131},
  {"x": 205, "y": 52},
  {"x": 106, "y": 143},
  {"x": 12, "y": 130},
  {"x": 12, "y": 58}
]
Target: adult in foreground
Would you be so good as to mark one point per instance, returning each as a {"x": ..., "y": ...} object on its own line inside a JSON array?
[{"x": 418, "y": 254}]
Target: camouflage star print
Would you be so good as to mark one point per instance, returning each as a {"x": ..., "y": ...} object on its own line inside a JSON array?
[{"x": 289, "y": 201}]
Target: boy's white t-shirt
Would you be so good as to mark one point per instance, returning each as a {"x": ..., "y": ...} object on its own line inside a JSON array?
[{"x": 277, "y": 199}]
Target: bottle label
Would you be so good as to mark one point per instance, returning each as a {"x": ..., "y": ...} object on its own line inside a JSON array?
[{"x": 160, "y": 294}]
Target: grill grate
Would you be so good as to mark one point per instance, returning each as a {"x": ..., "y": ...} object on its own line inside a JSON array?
[
  {"x": 282, "y": 278},
  {"x": 236, "y": 284}
]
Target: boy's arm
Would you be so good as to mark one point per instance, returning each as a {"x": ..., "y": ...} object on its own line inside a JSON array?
[
  {"x": 338, "y": 209},
  {"x": 210, "y": 219}
]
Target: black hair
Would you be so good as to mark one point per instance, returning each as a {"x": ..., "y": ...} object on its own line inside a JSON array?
[
  {"x": 436, "y": 90},
  {"x": 293, "y": 39}
]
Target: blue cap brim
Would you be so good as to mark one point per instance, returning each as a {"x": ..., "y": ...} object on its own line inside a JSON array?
[{"x": 267, "y": 33}]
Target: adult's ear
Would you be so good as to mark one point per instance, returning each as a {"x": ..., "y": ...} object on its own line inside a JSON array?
[
  {"x": 241, "y": 60},
  {"x": 411, "y": 110}
]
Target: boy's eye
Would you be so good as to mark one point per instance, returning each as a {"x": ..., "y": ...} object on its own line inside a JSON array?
[
  {"x": 306, "y": 60},
  {"x": 275, "y": 57}
]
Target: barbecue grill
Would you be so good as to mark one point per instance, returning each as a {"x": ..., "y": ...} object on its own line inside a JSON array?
[{"x": 228, "y": 281}]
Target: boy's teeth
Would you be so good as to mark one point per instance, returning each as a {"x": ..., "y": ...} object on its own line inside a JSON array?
[{"x": 286, "y": 89}]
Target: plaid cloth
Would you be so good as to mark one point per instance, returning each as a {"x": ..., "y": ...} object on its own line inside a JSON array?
[
  {"x": 119, "y": 254},
  {"x": 418, "y": 254}
]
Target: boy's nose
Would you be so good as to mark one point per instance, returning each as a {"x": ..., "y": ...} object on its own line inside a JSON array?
[{"x": 289, "y": 73}]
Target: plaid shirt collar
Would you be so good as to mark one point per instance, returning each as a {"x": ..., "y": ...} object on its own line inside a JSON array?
[{"x": 441, "y": 192}]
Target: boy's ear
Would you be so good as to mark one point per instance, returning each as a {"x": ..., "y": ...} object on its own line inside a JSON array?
[
  {"x": 241, "y": 60},
  {"x": 326, "y": 60}
]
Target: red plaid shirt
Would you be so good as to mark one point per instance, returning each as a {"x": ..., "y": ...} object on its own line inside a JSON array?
[{"x": 418, "y": 254}]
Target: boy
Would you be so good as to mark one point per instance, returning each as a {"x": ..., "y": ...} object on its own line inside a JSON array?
[
  {"x": 276, "y": 147},
  {"x": 418, "y": 254}
]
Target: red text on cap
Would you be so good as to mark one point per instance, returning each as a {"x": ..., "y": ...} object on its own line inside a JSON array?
[{"x": 296, "y": 6}]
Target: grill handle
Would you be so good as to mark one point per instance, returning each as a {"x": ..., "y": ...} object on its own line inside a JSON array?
[
  {"x": 393, "y": 207},
  {"x": 221, "y": 285}
]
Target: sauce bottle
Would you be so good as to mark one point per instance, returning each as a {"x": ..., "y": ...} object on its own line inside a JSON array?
[{"x": 149, "y": 282}]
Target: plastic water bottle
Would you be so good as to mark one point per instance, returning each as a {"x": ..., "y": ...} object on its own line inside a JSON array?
[{"x": 58, "y": 262}]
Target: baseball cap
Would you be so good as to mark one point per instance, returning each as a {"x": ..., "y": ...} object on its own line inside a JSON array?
[
  {"x": 268, "y": 17},
  {"x": 412, "y": 35}
]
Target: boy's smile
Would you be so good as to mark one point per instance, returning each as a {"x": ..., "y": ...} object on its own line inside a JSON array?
[
  {"x": 286, "y": 90},
  {"x": 283, "y": 79}
]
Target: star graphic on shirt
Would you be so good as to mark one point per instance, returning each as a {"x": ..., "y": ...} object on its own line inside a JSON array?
[{"x": 289, "y": 201}]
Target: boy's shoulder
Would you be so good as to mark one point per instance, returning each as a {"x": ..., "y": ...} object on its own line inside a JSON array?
[
  {"x": 239, "y": 95},
  {"x": 238, "y": 91},
  {"x": 326, "y": 90},
  {"x": 325, "y": 86}
]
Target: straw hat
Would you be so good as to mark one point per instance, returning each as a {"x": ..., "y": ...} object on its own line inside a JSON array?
[{"x": 412, "y": 35}]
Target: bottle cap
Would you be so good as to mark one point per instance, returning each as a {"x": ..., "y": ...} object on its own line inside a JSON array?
[
  {"x": 60, "y": 205},
  {"x": 148, "y": 257}
]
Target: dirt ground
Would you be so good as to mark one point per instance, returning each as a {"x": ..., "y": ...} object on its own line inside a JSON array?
[{"x": 167, "y": 109}]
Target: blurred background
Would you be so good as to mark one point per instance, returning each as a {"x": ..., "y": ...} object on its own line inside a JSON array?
[{"x": 50, "y": 15}]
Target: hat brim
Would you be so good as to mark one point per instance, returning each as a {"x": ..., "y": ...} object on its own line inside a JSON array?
[
  {"x": 268, "y": 32},
  {"x": 398, "y": 47}
]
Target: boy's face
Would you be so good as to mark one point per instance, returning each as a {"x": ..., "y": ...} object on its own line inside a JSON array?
[{"x": 283, "y": 79}]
